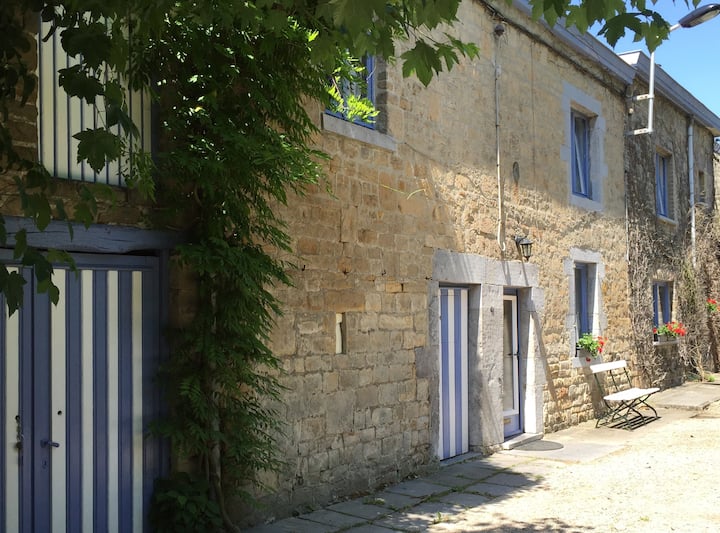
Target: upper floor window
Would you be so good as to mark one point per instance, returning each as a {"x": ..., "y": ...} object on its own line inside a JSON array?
[
  {"x": 662, "y": 302},
  {"x": 580, "y": 153},
  {"x": 60, "y": 117},
  {"x": 355, "y": 99},
  {"x": 664, "y": 187},
  {"x": 583, "y": 149}
]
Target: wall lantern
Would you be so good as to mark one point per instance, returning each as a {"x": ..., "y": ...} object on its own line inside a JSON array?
[{"x": 525, "y": 246}]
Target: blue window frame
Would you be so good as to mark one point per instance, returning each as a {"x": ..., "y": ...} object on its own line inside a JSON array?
[
  {"x": 662, "y": 302},
  {"x": 364, "y": 89},
  {"x": 580, "y": 140},
  {"x": 663, "y": 192},
  {"x": 583, "y": 320}
]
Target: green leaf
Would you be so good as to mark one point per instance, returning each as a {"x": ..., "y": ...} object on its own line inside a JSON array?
[
  {"x": 422, "y": 60},
  {"x": 97, "y": 146},
  {"x": 20, "y": 244},
  {"x": 89, "y": 41},
  {"x": 77, "y": 82},
  {"x": 13, "y": 289}
]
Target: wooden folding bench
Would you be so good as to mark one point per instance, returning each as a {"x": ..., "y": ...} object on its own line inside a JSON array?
[{"x": 623, "y": 399}]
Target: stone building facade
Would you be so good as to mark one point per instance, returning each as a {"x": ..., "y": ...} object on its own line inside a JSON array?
[
  {"x": 413, "y": 256},
  {"x": 672, "y": 236},
  {"x": 416, "y": 330}
]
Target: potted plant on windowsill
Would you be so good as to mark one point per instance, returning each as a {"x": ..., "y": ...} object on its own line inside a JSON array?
[
  {"x": 669, "y": 331},
  {"x": 588, "y": 350},
  {"x": 712, "y": 306}
]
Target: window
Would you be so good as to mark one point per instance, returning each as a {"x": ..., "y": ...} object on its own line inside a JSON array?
[
  {"x": 583, "y": 149},
  {"x": 662, "y": 302},
  {"x": 664, "y": 189},
  {"x": 584, "y": 289},
  {"x": 580, "y": 153},
  {"x": 701, "y": 187},
  {"x": 364, "y": 88}
]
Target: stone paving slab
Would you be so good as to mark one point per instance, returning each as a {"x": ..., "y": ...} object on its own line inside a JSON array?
[
  {"x": 572, "y": 452},
  {"x": 370, "y": 528},
  {"x": 417, "y": 488},
  {"x": 491, "y": 489},
  {"x": 449, "y": 479},
  {"x": 510, "y": 479},
  {"x": 332, "y": 518},
  {"x": 294, "y": 525},
  {"x": 393, "y": 500},
  {"x": 464, "y": 499},
  {"x": 473, "y": 470},
  {"x": 421, "y": 516},
  {"x": 361, "y": 509},
  {"x": 688, "y": 396}
]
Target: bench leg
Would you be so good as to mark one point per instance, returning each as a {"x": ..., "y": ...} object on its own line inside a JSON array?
[{"x": 620, "y": 414}]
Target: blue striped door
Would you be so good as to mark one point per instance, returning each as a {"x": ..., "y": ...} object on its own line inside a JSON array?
[
  {"x": 453, "y": 373},
  {"x": 76, "y": 379}
]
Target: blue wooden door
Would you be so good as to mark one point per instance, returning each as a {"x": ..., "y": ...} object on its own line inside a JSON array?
[
  {"x": 77, "y": 382},
  {"x": 453, "y": 373}
]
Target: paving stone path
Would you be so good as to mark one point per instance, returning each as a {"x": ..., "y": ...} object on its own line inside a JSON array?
[{"x": 658, "y": 478}]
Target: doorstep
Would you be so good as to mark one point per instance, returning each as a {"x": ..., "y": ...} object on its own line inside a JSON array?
[{"x": 519, "y": 440}]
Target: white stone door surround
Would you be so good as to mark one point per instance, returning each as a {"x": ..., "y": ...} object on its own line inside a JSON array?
[{"x": 487, "y": 280}]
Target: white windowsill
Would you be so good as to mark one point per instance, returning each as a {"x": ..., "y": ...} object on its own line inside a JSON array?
[{"x": 358, "y": 132}]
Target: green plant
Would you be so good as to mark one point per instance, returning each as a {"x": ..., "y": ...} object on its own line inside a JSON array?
[
  {"x": 712, "y": 305},
  {"x": 594, "y": 345},
  {"x": 182, "y": 503},
  {"x": 671, "y": 329}
]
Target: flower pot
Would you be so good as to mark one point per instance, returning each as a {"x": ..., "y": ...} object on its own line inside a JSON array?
[{"x": 584, "y": 358}]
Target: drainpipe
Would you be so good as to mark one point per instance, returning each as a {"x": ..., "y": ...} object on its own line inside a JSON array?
[
  {"x": 691, "y": 179},
  {"x": 498, "y": 31}
]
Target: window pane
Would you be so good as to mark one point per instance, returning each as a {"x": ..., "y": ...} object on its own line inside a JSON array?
[
  {"x": 661, "y": 186},
  {"x": 662, "y": 303},
  {"x": 580, "y": 154},
  {"x": 582, "y": 314}
]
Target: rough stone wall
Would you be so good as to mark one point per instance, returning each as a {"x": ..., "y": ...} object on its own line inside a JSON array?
[
  {"x": 662, "y": 250},
  {"x": 361, "y": 417}
]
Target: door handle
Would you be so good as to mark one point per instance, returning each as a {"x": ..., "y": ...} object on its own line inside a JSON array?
[{"x": 48, "y": 442}]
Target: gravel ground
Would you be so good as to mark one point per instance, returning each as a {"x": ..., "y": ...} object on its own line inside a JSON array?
[{"x": 663, "y": 479}]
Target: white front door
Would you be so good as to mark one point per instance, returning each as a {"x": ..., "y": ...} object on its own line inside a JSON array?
[{"x": 512, "y": 423}]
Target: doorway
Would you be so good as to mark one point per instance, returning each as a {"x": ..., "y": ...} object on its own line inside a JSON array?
[
  {"x": 77, "y": 379},
  {"x": 453, "y": 439},
  {"x": 511, "y": 390}
]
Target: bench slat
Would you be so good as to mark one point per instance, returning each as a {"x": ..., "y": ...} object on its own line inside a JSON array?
[
  {"x": 604, "y": 367},
  {"x": 630, "y": 394}
]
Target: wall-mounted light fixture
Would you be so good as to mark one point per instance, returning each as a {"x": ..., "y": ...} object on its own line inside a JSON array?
[{"x": 524, "y": 245}]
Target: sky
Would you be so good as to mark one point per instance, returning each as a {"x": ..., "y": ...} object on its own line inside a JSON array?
[{"x": 689, "y": 56}]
